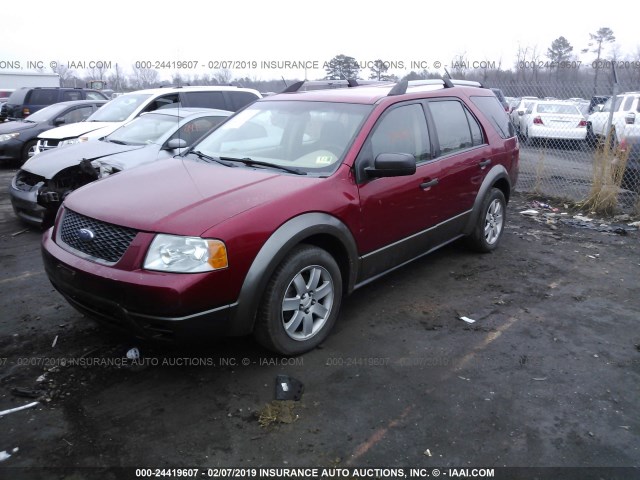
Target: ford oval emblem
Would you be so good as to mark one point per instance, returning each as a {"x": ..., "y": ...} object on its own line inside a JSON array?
[{"x": 86, "y": 235}]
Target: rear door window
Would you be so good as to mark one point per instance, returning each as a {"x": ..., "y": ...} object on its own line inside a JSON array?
[
  {"x": 452, "y": 126},
  {"x": 71, "y": 95}
]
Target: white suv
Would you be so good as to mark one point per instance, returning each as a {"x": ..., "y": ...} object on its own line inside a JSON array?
[
  {"x": 128, "y": 106},
  {"x": 626, "y": 118}
]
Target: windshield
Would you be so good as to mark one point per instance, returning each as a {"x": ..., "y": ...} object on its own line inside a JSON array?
[
  {"x": 311, "y": 137},
  {"x": 144, "y": 130},
  {"x": 119, "y": 109},
  {"x": 46, "y": 113}
]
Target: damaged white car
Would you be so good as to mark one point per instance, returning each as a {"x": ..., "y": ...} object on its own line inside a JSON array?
[{"x": 43, "y": 182}]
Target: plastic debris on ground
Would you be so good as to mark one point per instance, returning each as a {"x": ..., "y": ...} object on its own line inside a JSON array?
[
  {"x": 467, "y": 319},
  {"x": 17, "y": 409},
  {"x": 288, "y": 388},
  {"x": 543, "y": 212},
  {"x": 26, "y": 392},
  {"x": 133, "y": 354},
  {"x": 4, "y": 455}
]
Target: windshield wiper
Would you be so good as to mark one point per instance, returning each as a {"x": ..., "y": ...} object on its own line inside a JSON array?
[
  {"x": 119, "y": 142},
  {"x": 204, "y": 156},
  {"x": 258, "y": 163}
]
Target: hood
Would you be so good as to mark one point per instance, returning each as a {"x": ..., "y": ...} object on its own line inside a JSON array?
[
  {"x": 155, "y": 197},
  {"x": 74, "y": 130},
  {"x": 16, "y": 126},
  {"x": 50, "y": 162}
]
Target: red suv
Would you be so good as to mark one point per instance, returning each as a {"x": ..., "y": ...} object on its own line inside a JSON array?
[{"x": 301, "y": 197}]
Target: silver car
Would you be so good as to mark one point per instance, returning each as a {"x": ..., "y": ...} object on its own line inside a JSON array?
[{"x": 40, "y": 187}]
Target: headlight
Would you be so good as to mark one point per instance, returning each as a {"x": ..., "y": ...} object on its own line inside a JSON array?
[
  {"x": 170, "y": 253},
  {"x": 8, "y": 136}
]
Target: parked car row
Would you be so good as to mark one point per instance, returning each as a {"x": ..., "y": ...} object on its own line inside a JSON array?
[
  {"x": 585, "y": 122},
  {"x": 18, "y": 138},
  {"x": 128, "y": 131},
  {"x": 43, "y": 183}
]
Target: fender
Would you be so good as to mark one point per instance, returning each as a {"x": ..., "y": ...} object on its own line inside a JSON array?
[
  {"x": 497, "y": 173},
  {"x": 275, "y": 249}
]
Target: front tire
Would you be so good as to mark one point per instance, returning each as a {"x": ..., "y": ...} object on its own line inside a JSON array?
[
  {"x": 490, "y": 224},
  {"x": 28, "y": 150},
  {"x": 301, "y": 302}
]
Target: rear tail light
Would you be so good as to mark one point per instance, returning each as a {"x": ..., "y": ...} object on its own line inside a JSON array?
[
  {"x": 623, "y": 145},
  {"x": 630, "y": 118},
  {"x": 583, "y": 123},
  {"x": 537, "y": 121},
  {"x": 25, "y": 112}
]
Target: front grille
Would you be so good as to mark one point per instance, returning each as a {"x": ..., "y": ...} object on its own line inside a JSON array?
[
  {"x": 48, "y": 144},
  {"x": 109, "y": 241}
]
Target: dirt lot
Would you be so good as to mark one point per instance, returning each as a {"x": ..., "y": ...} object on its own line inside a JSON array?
[{"x": 548, "y": 375}]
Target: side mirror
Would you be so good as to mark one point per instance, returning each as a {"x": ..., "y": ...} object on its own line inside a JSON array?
[
  {"x": 392, "y": 165},
  {"x": 59, "y": 121},
  {"x": 520, "y": 113},
  {"x": 599, "y": 108},
  {"x": 175, "y": 144}
]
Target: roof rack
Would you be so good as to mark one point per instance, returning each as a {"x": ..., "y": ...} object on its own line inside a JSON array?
[
  {"x": 327, "y": 84},
  {"x": 401, "y": 87}
]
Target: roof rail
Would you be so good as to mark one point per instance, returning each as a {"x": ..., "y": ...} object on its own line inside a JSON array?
[
  {"x": 401, "y": 87},
  {"x": 322, "y": 84}
]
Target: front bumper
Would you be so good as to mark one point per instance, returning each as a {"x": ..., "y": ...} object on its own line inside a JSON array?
[
  {"x": 25, "y": 204},
  {"x": 11, "y": 150},
  {"x": 146, "y": 304}
]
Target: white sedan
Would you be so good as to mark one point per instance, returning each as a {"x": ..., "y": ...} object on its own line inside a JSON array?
[{"x": 554, "y": 120}]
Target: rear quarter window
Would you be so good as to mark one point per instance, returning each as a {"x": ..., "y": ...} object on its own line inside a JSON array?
[
  {"x": 239, "y": 100},
  {"x": 206, "y": 100},
  {"x": 42, "y": 97},
  {"x": 17, "y": 97},
  {"x": 494, "y": 112}
]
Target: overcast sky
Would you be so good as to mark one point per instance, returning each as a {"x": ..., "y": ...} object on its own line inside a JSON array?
[{"x": 283, "y": 30}]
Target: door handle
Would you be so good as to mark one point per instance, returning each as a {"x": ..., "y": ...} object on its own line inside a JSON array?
[
  {"x": 429, "y": 183},
  {"x": 484, "y": 163}
]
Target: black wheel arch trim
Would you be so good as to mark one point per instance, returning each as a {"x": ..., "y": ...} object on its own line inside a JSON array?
[
  {"x": 497, "y": 174},
  {"x": 275, "y": 249}
]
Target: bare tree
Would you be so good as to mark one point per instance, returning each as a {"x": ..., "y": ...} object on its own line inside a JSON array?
[
  {"x": 459, "y": 65},
  {"x": 98, "y": 72},
  {"x": 65, "y": 73},
  {"x": 223, "y": 76},
  {"x": 118, "y": 80},
  {"x": 144, "y": 77}
]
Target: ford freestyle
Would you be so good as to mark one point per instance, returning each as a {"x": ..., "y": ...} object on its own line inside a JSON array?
[{"x": 263, "y": 225}]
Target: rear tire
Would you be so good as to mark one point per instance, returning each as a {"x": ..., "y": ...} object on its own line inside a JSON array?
[
  {"x": 301, "y": 302},
  {"x": 490, "y": 224}
]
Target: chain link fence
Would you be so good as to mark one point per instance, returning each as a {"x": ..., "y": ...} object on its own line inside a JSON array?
[{"x": 572, "y": 146}]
